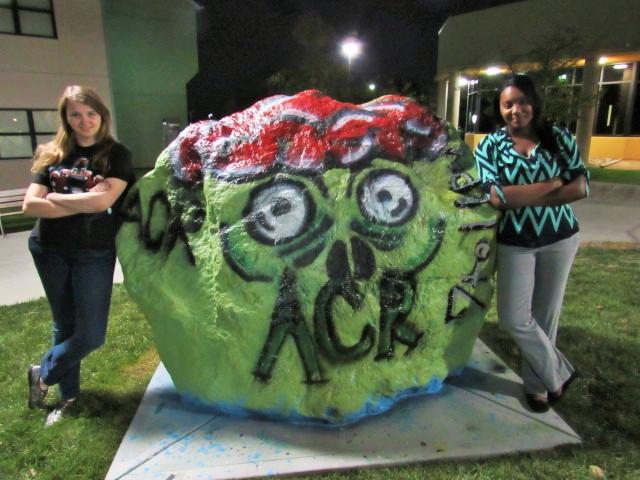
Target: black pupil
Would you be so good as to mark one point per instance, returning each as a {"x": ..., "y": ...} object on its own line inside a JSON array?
[
  {"x": 384, "y": 196},
  {"x": 280, "y": 207},
  {"x": 402, "y": 206}
]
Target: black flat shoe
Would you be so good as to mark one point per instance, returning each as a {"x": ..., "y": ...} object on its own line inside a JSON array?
[
  {"x": 535, "y": 404},
  {"x": 555, "y": 397}
]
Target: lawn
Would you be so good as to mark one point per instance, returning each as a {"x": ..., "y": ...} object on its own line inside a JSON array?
[
  {"x": 609, "y": 175},
  {"x": 600, "y": 333}
]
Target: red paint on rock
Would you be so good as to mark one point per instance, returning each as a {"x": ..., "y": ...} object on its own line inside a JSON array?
[{"x": 307, "y": 132}]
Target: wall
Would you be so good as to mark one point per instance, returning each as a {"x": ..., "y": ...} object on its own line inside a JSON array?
[
  {"x": 34, "y": 71},
  {"x": 473, "y": 139},
  {"x": 625, "y": 148},
  {"x": 152, "y": 54}
]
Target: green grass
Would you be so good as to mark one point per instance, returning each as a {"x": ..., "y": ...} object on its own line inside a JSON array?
[
  {"x": 630, "y": 177},
  {"x": 600, "y": 333},
  {"x": 113, "y": 381}
]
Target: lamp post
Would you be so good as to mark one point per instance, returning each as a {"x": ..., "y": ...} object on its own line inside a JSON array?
[{"x": 350, "y": 48}]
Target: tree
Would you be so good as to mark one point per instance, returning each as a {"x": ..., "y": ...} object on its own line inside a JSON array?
[
  {"x": 317, "y": 66},
  {"x": 550, "y": 63}
]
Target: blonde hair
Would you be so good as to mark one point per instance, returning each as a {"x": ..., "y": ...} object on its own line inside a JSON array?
[{"x": 64, "y": 142}]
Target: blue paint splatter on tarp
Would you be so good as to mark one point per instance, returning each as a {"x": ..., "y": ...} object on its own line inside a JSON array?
[
  {"x": 374, "y": 406},
  {"x": 255, "y": 457}
]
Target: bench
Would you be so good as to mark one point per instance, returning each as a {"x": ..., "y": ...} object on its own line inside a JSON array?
[{"x": 11, "y": 203}]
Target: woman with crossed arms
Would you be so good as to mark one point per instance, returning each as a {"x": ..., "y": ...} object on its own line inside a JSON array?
[
  {"x": 531, "y": 172},
  {"x": 81, "y": 178}
]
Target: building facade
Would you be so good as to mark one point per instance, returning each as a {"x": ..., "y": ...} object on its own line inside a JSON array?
[
  {"x": 601, "y": 54},
  {"x": 138, "y": 55}
]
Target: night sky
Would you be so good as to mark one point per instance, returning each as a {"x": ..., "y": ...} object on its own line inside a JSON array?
[{"x": 242, "y": 44}]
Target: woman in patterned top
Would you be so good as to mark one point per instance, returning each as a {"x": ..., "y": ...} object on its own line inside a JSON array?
[
  {"x": 81, "y": 178},
  {"x": 532, "y": 171}
]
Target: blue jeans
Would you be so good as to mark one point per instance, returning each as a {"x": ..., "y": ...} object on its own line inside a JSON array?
[{"x": 78, "y": 288}]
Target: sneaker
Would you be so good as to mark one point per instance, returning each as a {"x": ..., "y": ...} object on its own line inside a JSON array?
[
  {"x": 36, "y": 393},
  {"x": 60, "y": 410}
]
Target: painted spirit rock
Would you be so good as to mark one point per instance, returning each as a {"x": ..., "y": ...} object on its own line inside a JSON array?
[{"x": 311, "y": 260}]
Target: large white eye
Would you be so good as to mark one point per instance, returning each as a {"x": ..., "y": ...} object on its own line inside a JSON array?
[
  {"x": 387, "y": 197},
  {"x": 278, "y": 212}
]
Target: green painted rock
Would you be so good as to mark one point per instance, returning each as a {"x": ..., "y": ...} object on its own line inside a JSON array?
[{"x": 311, "y": 260}]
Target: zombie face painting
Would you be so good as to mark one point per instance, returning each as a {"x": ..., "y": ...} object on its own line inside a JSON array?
[{"x": 311, "y": 260}]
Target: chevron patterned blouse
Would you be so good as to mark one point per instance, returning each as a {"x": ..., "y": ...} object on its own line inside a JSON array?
[{"x": 500, "y": 165}]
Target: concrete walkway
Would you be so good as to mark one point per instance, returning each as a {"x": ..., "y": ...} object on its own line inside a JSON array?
[{"x": 610, "y": 214}]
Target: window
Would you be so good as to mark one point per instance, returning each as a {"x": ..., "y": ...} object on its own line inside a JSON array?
[
  {"x": 561, "y": 100},
  {"x": 28, "y": 17},
  {"x": 22, "y": 130},
  {"x": 476, "y": 107},
  {"x": 480, "y": 117},
  {"x": 611, "y": 109},
  {"x": 635, "y": 119},
  {"x": 617, "y": 107},
  {"x": 570, "y": 76},
  {"x": 616, "y": 113}
]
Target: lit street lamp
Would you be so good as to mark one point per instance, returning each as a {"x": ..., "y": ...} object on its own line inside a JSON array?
[{"x": 350, "y": 48}]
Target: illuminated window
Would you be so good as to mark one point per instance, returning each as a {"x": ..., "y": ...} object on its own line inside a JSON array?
[
  {"x": 21, "y": 131},
  {"x": 28, "y": 17},
  {"x": 476, "y": 105},
  {"x": 635, "y": 117},
  {"x": 616, "y": 113},
  {"x": 562, "y": 99}
]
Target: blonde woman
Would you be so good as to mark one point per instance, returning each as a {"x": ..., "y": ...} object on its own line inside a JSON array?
[{"x": 80, "y": 180}]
